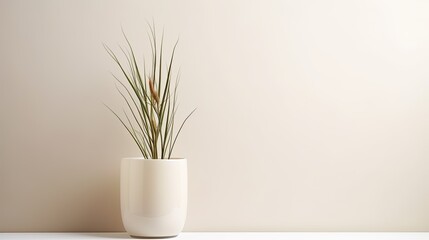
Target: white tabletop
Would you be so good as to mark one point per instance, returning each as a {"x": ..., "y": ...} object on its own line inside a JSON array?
[{"x": 233, "y": 236}]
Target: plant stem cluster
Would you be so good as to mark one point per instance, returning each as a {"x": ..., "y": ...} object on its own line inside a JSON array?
[{"x": 151, "y": 99}]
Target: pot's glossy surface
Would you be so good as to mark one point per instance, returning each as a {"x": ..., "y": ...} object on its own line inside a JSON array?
[{"x": 153, "y": 196}]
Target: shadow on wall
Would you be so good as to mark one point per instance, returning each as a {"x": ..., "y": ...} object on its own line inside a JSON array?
[{"x": 100, "y": 207}]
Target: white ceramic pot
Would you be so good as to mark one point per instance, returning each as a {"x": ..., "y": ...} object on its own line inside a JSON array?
[{"x": 154, "y": 196}]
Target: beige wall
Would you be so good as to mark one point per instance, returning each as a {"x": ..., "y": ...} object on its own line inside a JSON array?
[{"x": 312, "y": 115}]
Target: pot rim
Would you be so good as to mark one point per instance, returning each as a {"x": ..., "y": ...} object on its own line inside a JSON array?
[{"x": 157, "y": 159}]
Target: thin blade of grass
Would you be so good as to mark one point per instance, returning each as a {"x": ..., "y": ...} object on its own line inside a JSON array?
[
  {"x": 126, "y": 127},
  {"x": 146, "y": 141},
  {"x": 178, "y": 132}
]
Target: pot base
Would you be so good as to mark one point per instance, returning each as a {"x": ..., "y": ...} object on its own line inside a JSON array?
[{"x": 142, "y": 237}]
